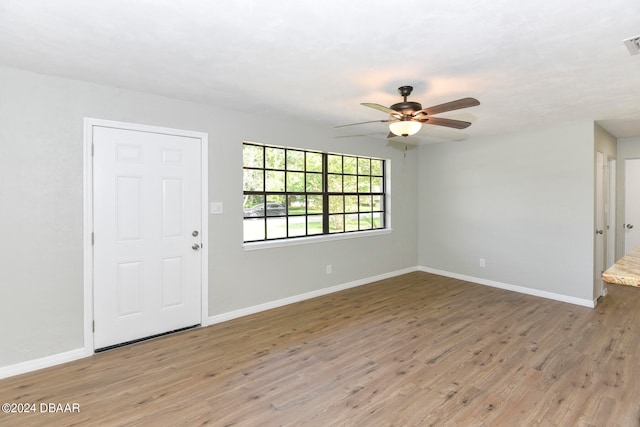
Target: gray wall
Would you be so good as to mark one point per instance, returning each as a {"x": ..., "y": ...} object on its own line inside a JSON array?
[
  {"x": 604, "y": 141},
  {"x": 523, "y": 202},
  {"x": 41, "y": 171}
]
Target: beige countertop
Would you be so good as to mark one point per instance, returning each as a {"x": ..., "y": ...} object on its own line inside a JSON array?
[{"x": 626, "y": 271}]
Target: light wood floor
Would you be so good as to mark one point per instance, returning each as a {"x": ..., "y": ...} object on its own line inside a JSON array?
[{"x": 416, "y": 350}]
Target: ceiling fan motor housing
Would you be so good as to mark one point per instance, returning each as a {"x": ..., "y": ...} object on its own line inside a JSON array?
[{"x": 406, "y": 107}]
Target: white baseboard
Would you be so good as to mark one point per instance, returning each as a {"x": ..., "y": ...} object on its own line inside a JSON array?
[
  {"x": 514, "y": 288},
  {"x": 301, "y": 297},
  {"x": 43, "y": 362}
]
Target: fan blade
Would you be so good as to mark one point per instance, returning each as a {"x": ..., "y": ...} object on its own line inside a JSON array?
[
  {"x": 362, "y": 123},
  {"x": 450, "y": 123},
  {"x": 382, "y": 108},
  {"x": 449, "y": 106},
  {"x": 391, "y": 135}
]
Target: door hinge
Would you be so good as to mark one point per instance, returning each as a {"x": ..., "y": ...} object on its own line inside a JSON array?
[
  {"x": 92, "y": 149},
  {"x": 93, "y": 326},
  {"x": 93, "y": 238}
]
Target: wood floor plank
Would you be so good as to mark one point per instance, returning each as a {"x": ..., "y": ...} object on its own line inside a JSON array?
[{"x": 414, "y": 350}]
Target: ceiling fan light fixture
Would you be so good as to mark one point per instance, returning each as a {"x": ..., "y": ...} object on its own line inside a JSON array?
[{"x": 405, "y": 127}]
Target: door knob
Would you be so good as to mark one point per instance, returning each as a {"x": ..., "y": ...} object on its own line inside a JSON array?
[
  {"x": 599, "y": 232},
  {"x": 195, "y": 247},
  {"x": 629, "y": 226}
]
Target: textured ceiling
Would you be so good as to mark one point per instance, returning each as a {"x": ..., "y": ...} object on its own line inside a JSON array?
[{"x": 530, "y": 63}]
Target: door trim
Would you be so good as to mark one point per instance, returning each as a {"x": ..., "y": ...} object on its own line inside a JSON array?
[{"x": 89, "y": 124}]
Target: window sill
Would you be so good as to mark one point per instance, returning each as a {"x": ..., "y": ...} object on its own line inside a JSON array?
[{"x": 252, "y": 246}]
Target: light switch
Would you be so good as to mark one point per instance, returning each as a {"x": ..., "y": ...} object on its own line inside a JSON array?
[{"x": 216, "y": 207}]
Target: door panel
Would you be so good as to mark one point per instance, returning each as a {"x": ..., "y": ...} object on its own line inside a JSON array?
[
  {"x": 172, "y": 194},
  {"x": 147, "y": 203},
  {"x": 631, "y": 204},
  {"x": 129, "y": 283}
]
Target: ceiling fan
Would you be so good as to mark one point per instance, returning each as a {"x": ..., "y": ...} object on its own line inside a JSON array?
[{"x": 406, "y": 117}]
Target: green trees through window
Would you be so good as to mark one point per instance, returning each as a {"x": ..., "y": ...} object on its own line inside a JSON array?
[{"x": 291, "y": 192}]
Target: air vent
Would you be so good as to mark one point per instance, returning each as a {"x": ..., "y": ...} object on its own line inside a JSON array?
[{"x": 633, "y": 45}]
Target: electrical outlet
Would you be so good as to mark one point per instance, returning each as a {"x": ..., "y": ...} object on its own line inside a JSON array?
[
  {"x": 328, "y": 268},
  {"x": 482, "y": 262}
]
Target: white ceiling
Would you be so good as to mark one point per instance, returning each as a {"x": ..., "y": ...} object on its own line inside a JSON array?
[{"x": 530, "y": 63}]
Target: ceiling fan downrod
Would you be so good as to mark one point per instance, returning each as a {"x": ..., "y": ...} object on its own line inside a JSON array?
[{"x": 405, "y": 91}]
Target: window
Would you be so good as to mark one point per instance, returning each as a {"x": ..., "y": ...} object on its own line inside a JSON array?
[{"x": 290, "y": 193}]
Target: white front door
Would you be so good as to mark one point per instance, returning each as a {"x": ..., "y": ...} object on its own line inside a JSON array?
[
  {"x": 631, "y": 204},
  {"x": 147, "y": 214}
]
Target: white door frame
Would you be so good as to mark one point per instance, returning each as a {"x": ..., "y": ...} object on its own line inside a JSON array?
[
  {"x": 600, "y": 250},
  {"x": 89, "y": 124},
  {"x": 612, "y": 225}
]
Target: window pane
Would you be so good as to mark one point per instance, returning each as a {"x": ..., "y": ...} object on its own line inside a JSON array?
[
  {"x": 276, "y": 205},
  {"x": 297, "y": 226},
  {"x": 314, "y": 183},
  {"x": 365, "y": 221},
  {"x": 365, "y": 204},
  {"x": 364, "y": 166},
  {"x": 276, "y": 228},
  {"x": 253, "y": 229},
  {"x": 252, "y": 156},
  {"x": 275, "y": 181},
  {"x": 336, "y": 223},
  {"x": 376, "y": 167},
  {"x": 336, "y": 204},
  {"x": 314, "y": 224},
  {"x": 376, "y": 184},
  {"x": 296, "y": 204},
  {"x": 274, "y": 158},
  {"x": 335, "y": 183},
  {"x": 351, "y": 203},
  {"x": 253, "y": 206},
  {"x": 295, "y": 182},
  {"x": 314, "y": 162},
  {"x": 376, "y": 203},
  {"x": 334, "y": 163},
  {"x": 351, "y": 223},
  {"x": 364, "y": 183},
  {"x": 350, "y": 165},
  {"x": 378, "y": 220},
  {"x": 253, "y": 180},
  {"x": 295, "y": 160},
  {"x": 350, "y": 184},
  {"x": 314, "y": 204}
]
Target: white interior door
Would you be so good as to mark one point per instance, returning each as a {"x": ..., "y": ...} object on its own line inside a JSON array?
[
  {"x": 147, "y": 226},
  {"x": 599, "y": 256},
  {"x": 631, "y": 204}
]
